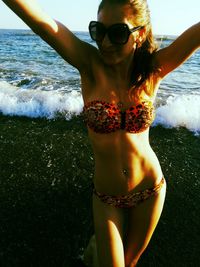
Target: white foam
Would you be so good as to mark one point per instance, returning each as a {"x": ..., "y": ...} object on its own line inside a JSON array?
[
  {"x": 179, "y": 110},
  {"x": 38, "y": 103},
  {"x": 182, "y": 110}
]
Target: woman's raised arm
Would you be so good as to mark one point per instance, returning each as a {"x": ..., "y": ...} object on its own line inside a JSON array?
[
  {"x": 181, "y": 49},
  {"x": 72, "y": 49}
]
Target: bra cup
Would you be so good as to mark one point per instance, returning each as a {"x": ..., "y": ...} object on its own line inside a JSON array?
[
  {"x": 139, "y": 118},
  {"x": 103, "y": 117}
]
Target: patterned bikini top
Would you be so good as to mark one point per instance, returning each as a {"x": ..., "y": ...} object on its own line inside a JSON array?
[{"x": 104, "y": 117}]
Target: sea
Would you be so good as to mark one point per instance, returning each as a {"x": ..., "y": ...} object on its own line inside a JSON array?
[{"x": 36, "y": 82}]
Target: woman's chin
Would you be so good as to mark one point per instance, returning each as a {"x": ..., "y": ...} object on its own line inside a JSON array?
[{"x": 109, "y": 62}]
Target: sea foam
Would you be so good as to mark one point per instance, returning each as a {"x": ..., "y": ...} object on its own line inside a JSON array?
[
  {"x": 38, "y": 103},
  {"x": 182, "y": 110},
  {"x": 177, "y": 111}
]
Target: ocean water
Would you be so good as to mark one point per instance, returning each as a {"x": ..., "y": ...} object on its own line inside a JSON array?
[{"x": 36, "y": 82}]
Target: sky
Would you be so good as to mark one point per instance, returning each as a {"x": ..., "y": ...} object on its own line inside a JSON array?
[{"x": 170, "y": 17}]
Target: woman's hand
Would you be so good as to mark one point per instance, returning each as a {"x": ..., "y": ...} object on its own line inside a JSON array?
[
  {"x": 73, "y": 50},
  {"x": 180, "y": 50}
]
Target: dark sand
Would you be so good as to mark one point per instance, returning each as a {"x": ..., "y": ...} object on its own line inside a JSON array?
[{"x": 46, "y": 171}]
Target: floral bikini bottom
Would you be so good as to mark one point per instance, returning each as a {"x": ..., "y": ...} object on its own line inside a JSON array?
[{"x": 131, "y": 199}]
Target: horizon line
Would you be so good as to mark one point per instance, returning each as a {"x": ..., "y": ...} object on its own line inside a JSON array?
[{"x": 84, "y": 31}]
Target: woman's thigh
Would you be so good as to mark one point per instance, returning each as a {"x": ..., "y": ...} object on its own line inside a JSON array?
[
  {"x": 142, "y": 221},
  {"x": 109, "y": 231}
]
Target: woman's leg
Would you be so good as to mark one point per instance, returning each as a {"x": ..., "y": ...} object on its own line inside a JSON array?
[
  {"x": 142, "y": 221},
  {"x": 109, "y": 224}
]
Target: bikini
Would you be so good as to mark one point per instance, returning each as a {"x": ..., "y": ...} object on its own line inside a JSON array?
[{"x": 104, "y": 117}]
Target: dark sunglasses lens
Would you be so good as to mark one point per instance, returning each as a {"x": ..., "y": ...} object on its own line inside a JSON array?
[
  {"x": 118, "y": 34},
  {"x": 97, "y": 31}
]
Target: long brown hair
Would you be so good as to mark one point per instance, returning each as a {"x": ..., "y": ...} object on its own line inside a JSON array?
[{"x": 144, "y": 66}]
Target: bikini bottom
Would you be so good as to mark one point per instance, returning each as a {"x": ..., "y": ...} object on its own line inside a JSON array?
[{"x": 131, "y": 199}]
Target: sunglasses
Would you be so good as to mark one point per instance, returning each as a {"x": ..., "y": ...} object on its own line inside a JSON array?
[{"x": 117, "y": 33}]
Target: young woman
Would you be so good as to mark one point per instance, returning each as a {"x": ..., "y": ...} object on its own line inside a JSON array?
[{"x": 120, "y": 80}]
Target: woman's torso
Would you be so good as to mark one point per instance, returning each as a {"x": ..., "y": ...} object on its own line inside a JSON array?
[{"x": 124, "y": 160}]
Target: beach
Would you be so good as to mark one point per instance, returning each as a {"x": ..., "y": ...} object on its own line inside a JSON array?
[
  {"x": 45, "y": 194},
  {"x": 46, "y": 160}
]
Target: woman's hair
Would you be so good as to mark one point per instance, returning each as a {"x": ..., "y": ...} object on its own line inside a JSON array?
[{"x": 144, "y": 66}]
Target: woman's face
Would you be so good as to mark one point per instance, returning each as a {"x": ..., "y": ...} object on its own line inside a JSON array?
[{"x": 113, "y": 54}]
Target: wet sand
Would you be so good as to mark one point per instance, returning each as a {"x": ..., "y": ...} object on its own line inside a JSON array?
[{"x": 46, "y": 170}]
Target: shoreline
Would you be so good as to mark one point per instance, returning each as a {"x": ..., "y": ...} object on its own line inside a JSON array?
[{"x": 46, "y": 188}]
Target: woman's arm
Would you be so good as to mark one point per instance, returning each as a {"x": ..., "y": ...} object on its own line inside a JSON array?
[
  {"x": 181, "y": 49},
  {"x": 73, "y": 50}
]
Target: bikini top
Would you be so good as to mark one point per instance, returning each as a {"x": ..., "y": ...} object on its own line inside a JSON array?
[{"x": 104, "y": 117}]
